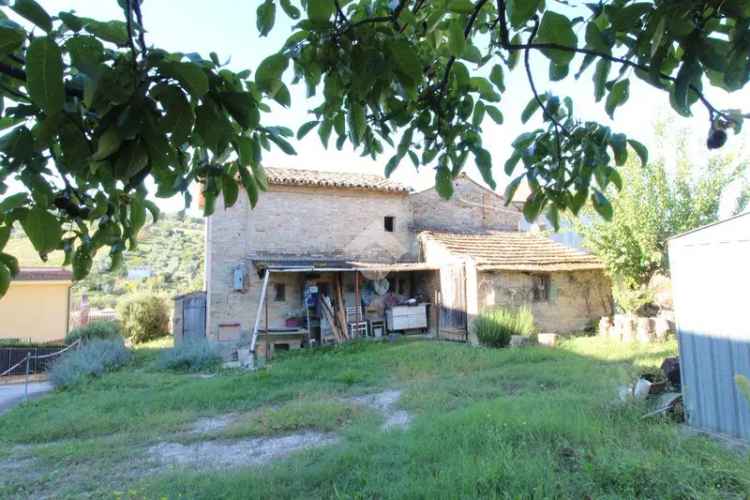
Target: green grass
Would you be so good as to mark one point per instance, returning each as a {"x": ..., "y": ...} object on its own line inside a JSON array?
[{"x": 522, "y": 423}]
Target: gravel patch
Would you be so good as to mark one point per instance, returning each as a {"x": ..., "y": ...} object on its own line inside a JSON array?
[
  {"x": 222, "y": 454},
  {"x": 212, "y": 424},
  {"x": 385, "y": 402}
]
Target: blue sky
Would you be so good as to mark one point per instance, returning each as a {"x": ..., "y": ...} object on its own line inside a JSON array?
[{"x": 228, "y": 28}]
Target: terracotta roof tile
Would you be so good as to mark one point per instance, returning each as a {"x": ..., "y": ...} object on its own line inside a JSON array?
[
  {"x": 43, "y": 274},
  {"x": 516, "y": 251},
  {"x": 299, "y": 177}
]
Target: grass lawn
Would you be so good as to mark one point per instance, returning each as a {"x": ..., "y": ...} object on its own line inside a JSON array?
[{"x": 525, "y": 423}]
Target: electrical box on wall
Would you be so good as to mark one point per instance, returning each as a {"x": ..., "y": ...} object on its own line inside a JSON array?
[{"x": 238, "y": 278}]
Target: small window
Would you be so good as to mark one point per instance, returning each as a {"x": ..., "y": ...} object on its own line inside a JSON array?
[
  {"x": 279, "y": 292},
  {"x": 541, "y": 284},
  {"x": 389, "y": 223}
]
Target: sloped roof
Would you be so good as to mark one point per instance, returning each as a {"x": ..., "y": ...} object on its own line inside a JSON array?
[
  {"x": 347, "y": 180},
  {"x": 43, "y": 274},
  {"x": 514, "y": 251}
]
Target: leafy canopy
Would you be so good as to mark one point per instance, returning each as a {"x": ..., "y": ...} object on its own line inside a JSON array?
[
  {"x": 655, "y": 203},
  {"x": 91, "y": 110}
]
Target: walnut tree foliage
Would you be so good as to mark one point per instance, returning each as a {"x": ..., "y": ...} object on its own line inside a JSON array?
[{"x": 91, "y": 110}]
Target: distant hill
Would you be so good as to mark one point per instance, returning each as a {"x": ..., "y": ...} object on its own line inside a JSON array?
[{"x": 169, "y": 260}]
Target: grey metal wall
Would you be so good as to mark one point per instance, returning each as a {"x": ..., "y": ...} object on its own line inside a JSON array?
[{"x": 710, "y": 270}]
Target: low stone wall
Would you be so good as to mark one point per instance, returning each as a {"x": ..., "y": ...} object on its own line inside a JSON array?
[{"x": 630, "y": 328}]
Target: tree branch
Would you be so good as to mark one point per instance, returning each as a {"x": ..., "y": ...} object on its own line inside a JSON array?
[
  {"x": 20, "y": 75},
  {"x": 533, "y": 85},
  {"x": 467, "y": 31}
]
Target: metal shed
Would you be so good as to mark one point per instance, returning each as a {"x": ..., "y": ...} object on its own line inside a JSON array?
[{"x": 710, "y": 269}]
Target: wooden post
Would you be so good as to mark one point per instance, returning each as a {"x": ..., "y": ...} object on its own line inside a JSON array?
[
  {"x": 268, "y": 333},
  {"x": 357, "y": 300},
  {"x": 261, "y": 299},
  {"x": 28, "y": 367}
]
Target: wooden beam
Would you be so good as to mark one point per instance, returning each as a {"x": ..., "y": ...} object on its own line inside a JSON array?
[{"x": 264, "y": 287}]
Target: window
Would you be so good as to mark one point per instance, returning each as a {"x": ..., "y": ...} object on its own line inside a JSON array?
[
  {"x": 389, "y": 223},
  {"x": 279, "y": 292},
  {"x": 541, "y": 285}
]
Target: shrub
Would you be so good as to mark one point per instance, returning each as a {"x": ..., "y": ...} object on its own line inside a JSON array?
[
  {"x": 91, "y": 360},
  {"x": 144, "y": 317},
  {"x": 494, "y": 327},
  {"x": 190, "y": 356},
  {"x": 97, "y": 329}
]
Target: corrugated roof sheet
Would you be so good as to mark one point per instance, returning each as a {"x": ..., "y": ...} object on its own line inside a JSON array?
[
  {"x": 515, "y": 251},
  {"x": 298, "y": 177},
  {"x": 43, "y": 274}
]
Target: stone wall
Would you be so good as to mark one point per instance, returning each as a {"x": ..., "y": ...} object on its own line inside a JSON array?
[
  {"x": 577, "y": 300},
  {"x": 472, "y": 208},
  {"x": 295, "y": 222}
]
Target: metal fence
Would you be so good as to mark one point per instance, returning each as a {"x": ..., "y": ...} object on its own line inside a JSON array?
[{"x": 12, "y": 356}]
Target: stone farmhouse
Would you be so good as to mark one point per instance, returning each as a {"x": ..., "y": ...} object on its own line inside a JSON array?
[{"x": 326, "y": 256}]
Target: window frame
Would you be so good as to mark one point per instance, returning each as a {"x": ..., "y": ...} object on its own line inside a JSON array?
[
  {"x": 279, "y": 292},
  {"x": 541, "y": 285},
  {"x": 389, "y": 224}
]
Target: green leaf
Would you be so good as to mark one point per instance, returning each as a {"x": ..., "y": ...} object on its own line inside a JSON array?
[
  {"x": 617, "y": 96},
  {"x": 290, "y": 9},
  {"x": 456, "y": 40},
  {"x": 595, "y": 40},
  {"x": 495, "y": 114},
  {"x": 10, "y": 262},
  {"x": 408, "y": 67},
  {"x": 11, "y": 38},
  {"x": 510, "y": 163},
  {"x": 515, "y": 55},
  {"x": 192, "y": 77},
  {"x": 600, "y": 78},
  {"x": 153, "y": 210},
  {"x": 268, "y": 75},
  {"x": 320, "y": 11},
  {"x": 461, "y": 6},
  {"x": 241, "y": 106},
  {"x": 520, "y": 11},
  {"x": 357, "y": 123},
  {"x": 230, "y": 189},
  {"x": 4, "y": 236},
  {"x": 4, "y": 279},
  {"x": 689, "y": 72},
  {"x": 324, "y": 132},
  {"x": 260, "y": 176},
  {"x": 558, "y": 29},
  {"x": 511, "y": 188},
  {"x": 640, "y": 150},
  {"x": 180, "y": 118},
  {"x": 32, "y": 11},
  {"x": 484, "y": 164},
  {"x": 44, "y": 68},
  {"x": 43, "y": 229},
  {"x": 602, "y": 205},
  {"x": 496, "y": 77},
  {"x": 306, "y": 128},
  {"x": 131, "y": 159},
  {"x": 82, "y": 262},
  {"x": 392, "y": 164},
  {"x": 479, "y": 110},
  {"x": 554, "y": 217},
  {"x": 86, "y": 53},
  {"x": 533, "y": 206},
  {"x": 444, "y": 182},
  {"x": 265, "y": 17},
  {"x": 529, "y": 110},
  {"x": 251, "y": 188},
  {"x": 245, "y": 150},
  {"x": 619, "y": 145},
  {"x": 112, "y": 31},
  {"x": 109, "y": 142},
  {"x": 137, "y": 214},
  {"x": 282, "y": 144},
  {"x": 72, "y": 21}
]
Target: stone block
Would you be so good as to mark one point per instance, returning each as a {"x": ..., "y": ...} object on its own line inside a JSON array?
[{"x": 548, "y": 339}]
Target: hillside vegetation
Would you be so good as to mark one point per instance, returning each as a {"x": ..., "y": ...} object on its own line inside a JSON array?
[{"x": 168, "y": 260}]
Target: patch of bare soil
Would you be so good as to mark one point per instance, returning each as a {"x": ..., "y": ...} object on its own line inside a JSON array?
[
  {"x": 385, "y": 402},
  {"x": 220, "y": 454},
  {"x": 212, "y": 424}
]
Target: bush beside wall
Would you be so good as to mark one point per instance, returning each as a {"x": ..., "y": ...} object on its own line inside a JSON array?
[
  {"x": 91, "y": 360},
  {"x": 98, "y": 329},
  {"x": 144, "y": 317},
  {"x": 495, "y": 327},
  {"x": 190, "y": 356}
]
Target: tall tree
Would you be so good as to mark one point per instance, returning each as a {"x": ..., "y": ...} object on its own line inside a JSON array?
[
  {"x": 656, "y": 202},
  {"x": 92, "y": 110}
]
